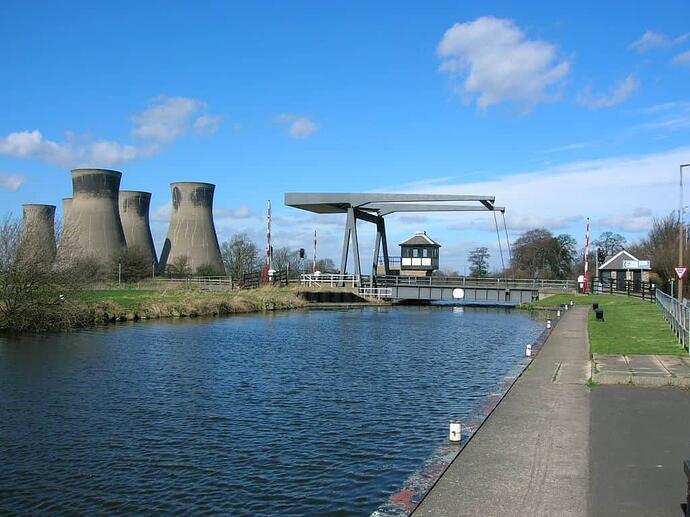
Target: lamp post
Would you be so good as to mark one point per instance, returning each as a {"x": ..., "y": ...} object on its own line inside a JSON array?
[{"x": 681, "y": 224}]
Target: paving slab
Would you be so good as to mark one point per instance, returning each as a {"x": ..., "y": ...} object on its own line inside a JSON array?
[
  {"x": 642, "y": 370},
  {"x": 531, "y": 456},
  {"x": 639, "y": 438}
]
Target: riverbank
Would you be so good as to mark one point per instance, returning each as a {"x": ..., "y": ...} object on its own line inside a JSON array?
[{"x": 100, "y": 306}]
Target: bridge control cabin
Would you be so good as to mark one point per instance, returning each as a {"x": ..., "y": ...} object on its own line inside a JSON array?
[{"x": 419, "y": 255}]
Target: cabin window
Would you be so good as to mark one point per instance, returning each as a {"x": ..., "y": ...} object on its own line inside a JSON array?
[
  {"x": 415, "y": 252},
  {"x": 425, "y": 252}
]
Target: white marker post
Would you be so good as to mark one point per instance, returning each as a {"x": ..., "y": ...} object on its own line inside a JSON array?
[
  {"x": 548, "y": 324},
  {"x": 528, "y": 351},
  {"x": 455, "y": 434}
]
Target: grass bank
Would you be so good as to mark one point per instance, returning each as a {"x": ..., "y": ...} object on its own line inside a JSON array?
[
  {"x": 125, "y": 304},
  {"x": 631, "y": 326}
]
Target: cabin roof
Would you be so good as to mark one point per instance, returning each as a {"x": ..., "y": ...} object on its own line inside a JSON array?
[
  {"x": 420, "y": 239},
  {"x": 615, "y": 263}
]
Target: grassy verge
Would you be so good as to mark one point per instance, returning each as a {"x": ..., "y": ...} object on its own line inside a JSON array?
[
  {"x": 631, "y": 326},
  {"x": 130, "y": 303}
]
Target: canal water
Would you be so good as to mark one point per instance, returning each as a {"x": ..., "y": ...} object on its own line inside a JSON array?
[{"x": 292, "y": 413}]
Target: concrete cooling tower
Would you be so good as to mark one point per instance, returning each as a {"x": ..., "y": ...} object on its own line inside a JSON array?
[
  {"x": 134, "y": 214},
  {"x": 94, "y": 218},
  {"x": 192, "y": 233},
  {"x": 38, "y": 232},
  {"x": 66, "y": 209}
]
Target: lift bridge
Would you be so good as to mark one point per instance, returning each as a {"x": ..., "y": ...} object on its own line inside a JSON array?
[{"x": 372, "y": 208}]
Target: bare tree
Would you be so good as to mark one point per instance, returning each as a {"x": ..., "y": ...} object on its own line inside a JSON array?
[
  {"x": 35, "y": 292},
  {"x": 136, "y": 264},
  {"x": 611, "y": 243},
  {"x": 180, "y": 268},
  {"x": 325, "y": 265},
  {"x": 661, "y": 247},
  {"x": 240, "y": 255}
]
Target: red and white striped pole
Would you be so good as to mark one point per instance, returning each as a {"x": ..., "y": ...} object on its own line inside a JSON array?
[
  {"x": 269, "y": 247},
  {"x": 586, "y": 286}
]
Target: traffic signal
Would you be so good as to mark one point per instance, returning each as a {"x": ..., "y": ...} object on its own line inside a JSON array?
[
  {"x": 601, "y": 255},
  {"x": 301, "y": 253}
]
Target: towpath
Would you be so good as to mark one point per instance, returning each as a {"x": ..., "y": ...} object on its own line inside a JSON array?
[{"x": 531, "y": 456}]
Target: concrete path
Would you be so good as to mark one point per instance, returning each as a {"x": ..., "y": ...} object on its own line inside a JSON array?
[
  {"x": 639, "y": 439},
  {"x": 642, "y": 370},
  {"x": 531, "y": 456}
]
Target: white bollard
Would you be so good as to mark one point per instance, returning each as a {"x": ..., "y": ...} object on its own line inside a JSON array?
[
  {"x": 548, "y": 324},
  {"x": 566, "y": 306},
  {"x": 571, "y": 303},
  {"x": 455, "y": 435},
  {"x": 558, "y": 313},
  {"x": 528, "y": 351}
]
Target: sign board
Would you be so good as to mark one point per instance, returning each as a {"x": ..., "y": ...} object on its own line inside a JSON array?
[
  {"x": 680, "y": 271},
  {"x": 637, "y": 264}
]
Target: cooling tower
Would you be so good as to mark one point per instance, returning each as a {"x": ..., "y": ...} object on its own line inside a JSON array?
[
  {"x": 66, "y": 208},
  {"x": 192, "y": 233},
  {"x": 38, "y": 232},
  {"x": 134, "y": 214},
  {"x": 94, "y": 218}
]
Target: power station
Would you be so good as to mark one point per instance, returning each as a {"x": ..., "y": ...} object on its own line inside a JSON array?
[
  {"x": 94, "y": 217},
  {"x": 192, "y": 233},
  {"x": 38, "y": 232},
  {"x": 134, "y": 214}
]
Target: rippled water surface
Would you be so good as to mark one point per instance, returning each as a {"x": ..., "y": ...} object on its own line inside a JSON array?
[{"x": 295, "y": 413}]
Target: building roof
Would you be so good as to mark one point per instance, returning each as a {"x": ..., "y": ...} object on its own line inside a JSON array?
[
  {"x": 615, "y": 263},
  {"x": 420, "y": 239}
]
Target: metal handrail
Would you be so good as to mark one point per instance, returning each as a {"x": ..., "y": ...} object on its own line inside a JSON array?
[
  {"x": 376, "y": 292},
  {"x": 677, "y": 315},
  {"x": 329, "y": 279}
]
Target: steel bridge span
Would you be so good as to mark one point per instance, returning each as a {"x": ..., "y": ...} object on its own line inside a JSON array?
[{"x": 487, "y": 291}]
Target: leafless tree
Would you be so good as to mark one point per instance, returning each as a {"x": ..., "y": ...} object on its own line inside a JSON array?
[
  {"x": 36, "y": 293},
  {"x": 240, "y": 256},
  {"x": 179, "y": 267}
]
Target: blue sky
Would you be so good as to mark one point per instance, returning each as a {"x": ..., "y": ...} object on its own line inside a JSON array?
[{"x": 562, "y": 110}]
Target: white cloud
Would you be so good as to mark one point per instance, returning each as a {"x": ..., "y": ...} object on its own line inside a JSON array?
[
  {"x": 207, "y": 124},
  {"x": 670, "y": 116},
  {"x": 72, "y": 152},
  {"x": 568, "y": 147},
  {"x": 650, "y": 40},
  {"x": 617, "y": 94},
  {"x": 11, "y": 182},
  {"x": 243, "y": 212},
  {"x": 622, "y": 194},
  {"x": 683, "y": 58},
  {"x": 496, "y": 63},
  {"x": 169, "y": 118},
  {"x": 166, "y": 120},
  {"x": 299, "y": 126}
]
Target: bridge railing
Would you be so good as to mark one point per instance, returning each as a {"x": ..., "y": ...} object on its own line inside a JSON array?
[
  {"x": 489, "y": 283},
  {"x": 677, "y": 315},
  {"x": 376, "y": 292},
  {"x": 330, "y": 280}
]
